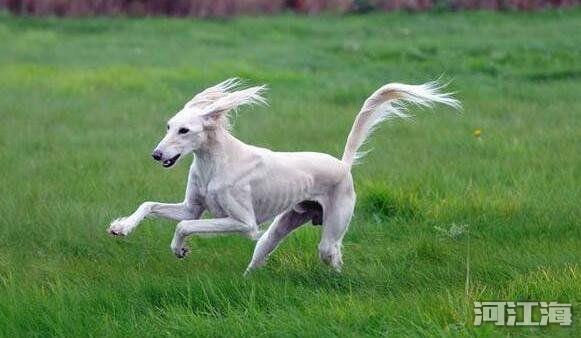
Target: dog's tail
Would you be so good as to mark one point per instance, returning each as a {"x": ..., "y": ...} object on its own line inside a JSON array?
[{"x": 389, "y": 102}]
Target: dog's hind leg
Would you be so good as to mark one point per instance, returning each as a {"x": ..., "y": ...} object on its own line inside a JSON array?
[
  {"x": 282, "y": 225},
  {"x": 336, "y": 220}
]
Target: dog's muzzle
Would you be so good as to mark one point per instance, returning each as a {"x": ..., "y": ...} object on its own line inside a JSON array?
[{"x": 169, "y": 162}]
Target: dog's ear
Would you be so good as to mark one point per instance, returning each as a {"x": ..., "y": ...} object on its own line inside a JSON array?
[
  {"x": 214, "y": 119},
  {"x": 210, "y": 95},
  {"x": 216, "y": 113}
]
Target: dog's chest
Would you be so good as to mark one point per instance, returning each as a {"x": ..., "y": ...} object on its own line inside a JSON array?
[
  {"x": 214, "y": 207},
  {"x": 211, "y": 201}
]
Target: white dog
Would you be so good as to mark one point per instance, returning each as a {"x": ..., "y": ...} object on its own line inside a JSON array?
[{"x": 243, "y": 186}]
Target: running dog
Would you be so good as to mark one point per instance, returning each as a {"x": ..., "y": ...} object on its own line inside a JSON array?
[{"x": 243, "y": 186}]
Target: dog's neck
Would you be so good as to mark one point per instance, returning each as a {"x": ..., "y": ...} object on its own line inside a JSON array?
[{"x": 219, "y": 149}]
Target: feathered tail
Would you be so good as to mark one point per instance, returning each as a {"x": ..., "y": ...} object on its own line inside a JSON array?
[{"x": 388, "y": 102}]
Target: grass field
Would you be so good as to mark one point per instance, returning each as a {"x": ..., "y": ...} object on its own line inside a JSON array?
[{"x": 83, "y": 102}]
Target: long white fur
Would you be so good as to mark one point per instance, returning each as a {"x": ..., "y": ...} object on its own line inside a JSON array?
[
  {"x": 232, "y": 101},
  {"x": 389, "y": 102},
  {"x": 243, "y": 186},
  {"x": 209, "y": 95},
  {"x": 226, "y": 97}
]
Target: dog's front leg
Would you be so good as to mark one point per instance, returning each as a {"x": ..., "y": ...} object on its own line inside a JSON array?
[
  {"x": 176, "y": 211},
  {"x": 208, "y": 226}
]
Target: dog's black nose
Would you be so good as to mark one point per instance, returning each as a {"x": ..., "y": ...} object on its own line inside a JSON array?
[{"x": 157, "y": 155}]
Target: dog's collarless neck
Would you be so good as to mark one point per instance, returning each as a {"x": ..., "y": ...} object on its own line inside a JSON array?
[{"x": 220, "y": 147}]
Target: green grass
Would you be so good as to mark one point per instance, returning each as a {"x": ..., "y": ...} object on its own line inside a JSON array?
[{"x": 83, "y": 102}]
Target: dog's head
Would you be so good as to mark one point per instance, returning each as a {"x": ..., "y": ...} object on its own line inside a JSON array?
[{"x": 189, "y": 129}]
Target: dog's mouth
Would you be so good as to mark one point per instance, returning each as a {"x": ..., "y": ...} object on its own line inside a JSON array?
[{"x": 169, "y": 162}]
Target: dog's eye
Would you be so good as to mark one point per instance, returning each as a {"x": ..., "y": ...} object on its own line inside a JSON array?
[
  {"x": 167, "y": 127},
  {"x": 183, "y": 130}
]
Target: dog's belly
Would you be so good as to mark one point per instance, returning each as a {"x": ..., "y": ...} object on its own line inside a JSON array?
[
  {"x": 272, "y": 197},
  {"x": 267, "y": 211},
  {"x": 292, "y": 178}
]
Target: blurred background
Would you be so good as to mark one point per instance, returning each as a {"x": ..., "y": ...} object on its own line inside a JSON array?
[{"x": 224, "y": 8}]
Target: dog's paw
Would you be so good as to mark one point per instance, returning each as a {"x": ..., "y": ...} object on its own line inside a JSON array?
[
  {"x": 120, "y": 227},
  {"x": 181, "y": 252},
  {"x": 247, "y": 272},
  {"x": 254, "y": 265}
]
